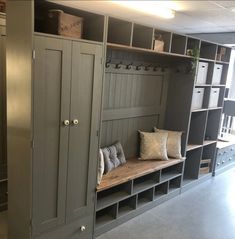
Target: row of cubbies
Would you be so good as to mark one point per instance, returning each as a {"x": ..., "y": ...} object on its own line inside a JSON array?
[
  {"x": 132, "y": 35},
  {"x": 123, "y": 199}
]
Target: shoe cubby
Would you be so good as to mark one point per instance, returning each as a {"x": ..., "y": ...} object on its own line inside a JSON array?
[
  {"x": 193, "y": 45},
  {"x": 161, "y": 190},
  {"x": 126, "y": 206},
  {"x": 192, "y": 165},
  {"x": 208, "y": 154},
  {"x": 114, "y": 194},
  {"x": 142, "y": 36},
  {"x": 92, "y": 26},
  {"x": 178, "y": 44},
  {"x": 119, "y": 31},
  {"x": 197, "y": 128},
  {"x": 145, "y": 197},
  {"x": 174, "y": 184},
  {"x": 106, "y": 215},
  {"x": 212, "y": 126},
  {"x": 171, "y": 172},
  {"x": 208, "y": 50},
  {"x": 147, "y": 181},
  {"x": 223, "y": 54},
  {"x": 163, "y": 36}
]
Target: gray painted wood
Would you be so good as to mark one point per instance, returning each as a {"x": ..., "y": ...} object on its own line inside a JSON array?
[
  {"x": 19, "y": 118},
  {"x": 83, "y": 138},
  {"x": 52, "y": 76}
]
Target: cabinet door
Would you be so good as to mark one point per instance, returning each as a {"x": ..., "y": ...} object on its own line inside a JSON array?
[
  {"x": 86, "y": 88},
  {"x": 52, "y": 78}
]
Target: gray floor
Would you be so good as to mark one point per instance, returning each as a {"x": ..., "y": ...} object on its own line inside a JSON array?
[{"x": 205, "y": 212}]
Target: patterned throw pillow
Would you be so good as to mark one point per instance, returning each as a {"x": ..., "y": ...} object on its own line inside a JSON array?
[
  {"x": 113, "y": 157},
  {"x": 173, "y": 143},
  {"x": 153, "y": 146},
  {"x": 100, "y": 167}
]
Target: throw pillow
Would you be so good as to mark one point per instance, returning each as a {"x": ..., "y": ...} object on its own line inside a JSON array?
[
  {"x": 173, "y": 143},
  {"x": 153, "y": 145},
  {"x": 113, "y": 156},
  {"x": 100, "y": 167}
]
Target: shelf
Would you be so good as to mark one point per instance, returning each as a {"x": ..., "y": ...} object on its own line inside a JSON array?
[
  {"x": 144, "y": 185},
  {"x": 160, "y": 190},
  {"x": 106, "y": 216},
  {"x": 202, "y": 85},
  {"x": 213, "y": 86},
  {"x": 169, "y": 176},
  {"x": 126, "y": 206},
  {"x": 199, "y": 110},
  {"x": 145, "y": 197},
  {"x": 3, "y": 180},
  {"x": 208, "y": 142},
  {"x": 193, "y": 146},
  {"x": 215, "y": 108}
]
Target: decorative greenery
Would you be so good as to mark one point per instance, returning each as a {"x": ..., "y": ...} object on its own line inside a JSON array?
[{"x": 195, "y": 54}]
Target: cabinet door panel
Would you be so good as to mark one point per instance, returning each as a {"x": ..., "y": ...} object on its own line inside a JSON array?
[
  {"x": 86, "y": 88},
  {"x": 52, "y": 78}
]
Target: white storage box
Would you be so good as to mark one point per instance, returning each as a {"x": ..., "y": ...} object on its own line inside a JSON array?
[
  {"x": 202, "y": 73},
  {"x": 214, "y": 98},
  {"x": 217, "y": 73},
  {"x": 197, "y": 102}
]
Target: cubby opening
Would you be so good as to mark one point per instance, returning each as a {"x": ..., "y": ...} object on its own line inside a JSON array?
[
  {"x": 204, "y": 73},
  {"x": 106, "y": 215},
  {"x": 208, "y": 50},
  {"x": 161, "y": 190},
  {"x": 119, "y": 31},
  {"x": 146, "y": 181},
  {"x": 178, "y": 44},
  {"x": 224, "y": 74},
  {"x": 174, "y": 184},
  {"x": 92, "y": 26},
  {"x": 3, "y": 195},
  {"x": 200, "y": 98},
  {"x": 126, "y": 206},
  {"x": 171, "y": 172},
  {"x": 197, "y": 128},
  {"x": 223, "y": 54},
  {"x": 142, "y": 36},
  {"x": 193, "y": 45},
  {"x": 164, "y": 37},
  {"x": 212, "y": 126},
  {"x": 192, "y": 164},
  {"x": 214, "y": 100},
  {"x": 114, "y": 194},
  {"x": 145, "y": 197},
  {"x": 208, "y": 155}
]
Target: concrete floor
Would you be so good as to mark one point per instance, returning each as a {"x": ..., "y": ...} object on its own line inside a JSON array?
[{"x": 205, "y": 212}]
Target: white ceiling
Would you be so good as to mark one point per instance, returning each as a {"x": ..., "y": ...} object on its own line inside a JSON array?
[{"x": 191, "y": 16}]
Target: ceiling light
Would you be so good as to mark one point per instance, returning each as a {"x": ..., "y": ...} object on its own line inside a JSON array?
[{"x": 150, "y": 7}]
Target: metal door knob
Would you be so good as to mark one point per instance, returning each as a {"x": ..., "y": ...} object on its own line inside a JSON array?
[
  {"x": 75, "y": 121},
  {"x": 223, "y": 162},
  {"x": 82, "y": 228},
  {"x": 230, "y": 159},
  {"x": 66, "y": 122},
  {"x": 218, "y": 164}
]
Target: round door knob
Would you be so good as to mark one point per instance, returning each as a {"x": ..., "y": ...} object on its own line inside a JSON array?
[
  {"x": 66, "y": 122},
  {"x": 230, "y": 159},
  {"x": 82, "y": 228},
  {"x": 218, "y": 164},
  {"x": 223, "y": 162},
  {"x": 75, "y": 121}
]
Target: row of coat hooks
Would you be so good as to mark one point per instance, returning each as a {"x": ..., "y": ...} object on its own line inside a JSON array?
[{"x": 136, "y": 67}]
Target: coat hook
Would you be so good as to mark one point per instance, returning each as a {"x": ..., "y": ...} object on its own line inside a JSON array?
[
  {"x": 107, "y": 65},
  {"x": 155, "y": 68},
  {"x": 128, "y": 67},
  {"x": 118, "y": 65},
  {"x": 139, "y": 67},
  {"x": 147, "y": 67},
  {"x": 163, "y": 69}
]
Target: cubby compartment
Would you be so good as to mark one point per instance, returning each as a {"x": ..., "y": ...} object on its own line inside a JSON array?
[
  {"x": 223, "y": 54},
  {"x": 208, "y": 155},
  {"x": 208, "y": 50},
  {"x": 161, "y": 190},
  {"x": 171, "y": 172},
  {"x": 214, "y": 97},
  {"x": 145, "y": 197},
  {"x": 204, "y": 73},
  {"x": 92, "y": 26},
  {"x": 192, "y": 164},
  {"x": 174, "y": 184},
  {"x": 217, "y": 74},
  {"x": 112, "y": 195},
  {"x": 3, "y": 195},
  {"x": 200, "y": 99},
  {"x": 147, "y": 181},
  {"x": 106, "y": 215},
  {"x": 142, "y": 36},
  {"x": 193, "y": 46},
  {"x": 119, "y": 31},
  {"x": 212, "y": 126},
  {"x": 127, "y": 205},
  {"x": 162, "y": 40},
  {"x": 178, "y": 44},
  {"x": 197, "y": 128},
  {"x": 224, "y": 74}
]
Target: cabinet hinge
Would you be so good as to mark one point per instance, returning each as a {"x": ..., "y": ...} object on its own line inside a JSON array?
[
  {"x": 32, "y": 144},
  {"x": 101, "y": 60},
  {"x": 97, "y": 133},
  {"x": 33, "y": 54}
]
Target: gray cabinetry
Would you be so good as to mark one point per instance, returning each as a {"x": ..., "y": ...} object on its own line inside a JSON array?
[{"x": 67, "y": 96}]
